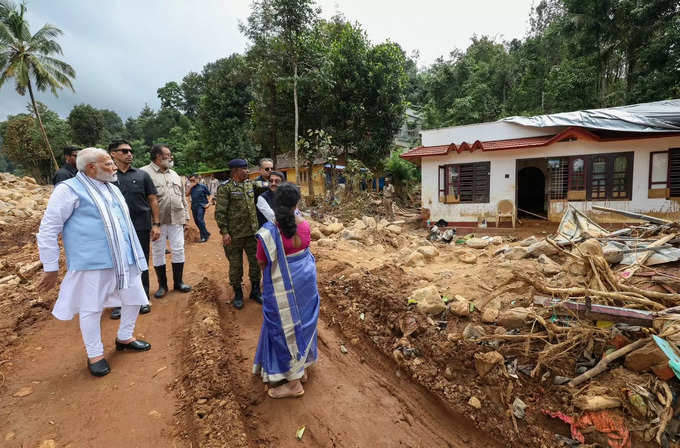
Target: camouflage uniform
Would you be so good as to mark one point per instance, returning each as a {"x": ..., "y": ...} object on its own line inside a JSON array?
[{"x": 235, "y": 214}]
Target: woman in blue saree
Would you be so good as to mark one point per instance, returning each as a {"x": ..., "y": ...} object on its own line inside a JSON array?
[{"x": 288, "y": 339}]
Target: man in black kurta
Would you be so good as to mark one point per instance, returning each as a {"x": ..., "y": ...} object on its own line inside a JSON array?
[{"x": 140, "y": 195}]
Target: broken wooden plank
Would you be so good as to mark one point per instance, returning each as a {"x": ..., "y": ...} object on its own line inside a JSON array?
[
  {"x": 634, "y": 215},
  {"x": 600, "y": 312}
]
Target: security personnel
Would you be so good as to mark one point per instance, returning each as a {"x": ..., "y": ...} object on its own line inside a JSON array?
[{"x": 236, "y": 217}]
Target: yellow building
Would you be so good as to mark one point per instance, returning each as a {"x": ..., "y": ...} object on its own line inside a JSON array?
[{"x": 286, "y": 164}]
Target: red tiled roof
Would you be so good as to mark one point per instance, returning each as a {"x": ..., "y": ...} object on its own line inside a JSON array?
[{"x": 572, "y": 133}]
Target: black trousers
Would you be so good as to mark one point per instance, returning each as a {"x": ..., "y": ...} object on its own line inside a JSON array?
[{"x": 145, "y": 240}]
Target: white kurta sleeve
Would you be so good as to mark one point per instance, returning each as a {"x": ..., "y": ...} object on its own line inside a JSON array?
[
  {"x": 265, "y": 209},
  {"x": 59, "y": 208}
]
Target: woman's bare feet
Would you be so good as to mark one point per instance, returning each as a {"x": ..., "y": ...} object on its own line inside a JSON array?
[{"x": 292, "y": 389}]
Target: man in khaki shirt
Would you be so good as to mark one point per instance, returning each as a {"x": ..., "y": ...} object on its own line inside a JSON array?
[{"x": 174, "y": 213}]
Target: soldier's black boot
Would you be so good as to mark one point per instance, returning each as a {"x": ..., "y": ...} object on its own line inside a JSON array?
[
  {"x": 177, "y": 271},
  {"x": 162, "y": 282},
  {"x": 238, "y": 297},
  {"x": 255, "y": 293}
]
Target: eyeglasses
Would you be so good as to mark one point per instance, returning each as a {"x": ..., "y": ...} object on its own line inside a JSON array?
[
  {"x": 267, "y": 169},
  {"x": 124, "y": 151}
]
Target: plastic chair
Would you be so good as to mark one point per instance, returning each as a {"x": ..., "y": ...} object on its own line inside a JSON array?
[{"x": 506, "y": 209}]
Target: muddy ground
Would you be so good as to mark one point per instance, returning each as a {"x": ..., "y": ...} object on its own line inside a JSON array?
[{"x": 195, "y": 387}]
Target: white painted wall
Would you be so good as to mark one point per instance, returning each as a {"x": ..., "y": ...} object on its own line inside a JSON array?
[
  {"x": 486, "y": 132},
  {"x": 503, "y": 163}
]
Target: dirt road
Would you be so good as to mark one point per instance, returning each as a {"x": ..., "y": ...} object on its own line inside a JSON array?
[{"x": 356, "y": 399}]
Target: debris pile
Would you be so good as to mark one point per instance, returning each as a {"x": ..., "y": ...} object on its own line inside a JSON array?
[
  {"x": 22, "y": 203},
  {"x": 569, "y": 326}
]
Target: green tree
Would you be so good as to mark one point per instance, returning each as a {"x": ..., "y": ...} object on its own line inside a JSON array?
[
  {"x": 223, "y": 120},
  {"x": 171, "y": 96},
  {"x": 113, "y": 126},
  {"x": 87, "y": 125},
  {"x": 24, "y": 56},
  {"x": 192, "y": 89},
  {"x": 24, "y": 145},
  {"x": 290, "y": 20}
]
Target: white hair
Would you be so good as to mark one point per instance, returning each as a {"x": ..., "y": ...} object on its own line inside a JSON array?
[{"x": 88, "y": 155}]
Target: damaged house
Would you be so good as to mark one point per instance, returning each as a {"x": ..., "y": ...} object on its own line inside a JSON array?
[{"x": 624, "y": 157}]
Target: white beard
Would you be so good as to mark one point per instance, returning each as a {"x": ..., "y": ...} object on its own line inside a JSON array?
[{"x": 105, "y": 177}]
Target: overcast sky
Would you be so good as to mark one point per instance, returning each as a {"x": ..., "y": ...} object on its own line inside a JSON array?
[{"x": 123, "y": 50}]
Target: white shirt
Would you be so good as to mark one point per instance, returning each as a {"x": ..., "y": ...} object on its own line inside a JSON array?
[{"x": 265, "y": 209}]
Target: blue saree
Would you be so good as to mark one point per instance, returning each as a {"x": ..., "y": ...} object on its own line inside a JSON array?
[{"x": 290, "y": 309}]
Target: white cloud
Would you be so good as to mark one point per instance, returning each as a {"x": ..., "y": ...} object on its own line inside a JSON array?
[{"x": 123, "y": 50}]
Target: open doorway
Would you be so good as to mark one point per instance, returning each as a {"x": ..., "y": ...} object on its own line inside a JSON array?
[{"x": 531, "y": 190}]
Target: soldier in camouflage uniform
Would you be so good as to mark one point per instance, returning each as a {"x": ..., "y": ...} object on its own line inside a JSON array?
[{"x": 235, "y": 213}]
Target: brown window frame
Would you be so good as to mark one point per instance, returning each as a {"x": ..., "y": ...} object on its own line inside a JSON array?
[
  {"x": 473, "y": 183},
  {"x": 584, "y": 192},
  {"x": 609, "y": 176}
]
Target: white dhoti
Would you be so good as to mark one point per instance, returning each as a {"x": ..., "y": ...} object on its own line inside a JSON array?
[
  {"x": 174, "y": 234},
  {"x": 87, "y": 293},
  {"x": 92, "y": 291}
]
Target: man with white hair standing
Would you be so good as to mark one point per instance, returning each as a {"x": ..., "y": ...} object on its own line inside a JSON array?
[{"x": 103, "y": 256}]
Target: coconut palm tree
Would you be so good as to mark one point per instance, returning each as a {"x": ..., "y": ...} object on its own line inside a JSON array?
[{"x": 25, "y": 57}]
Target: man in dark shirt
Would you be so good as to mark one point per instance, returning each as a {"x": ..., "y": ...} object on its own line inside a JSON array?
[
  {"x": 68, "y": 170},
  {"x": 140, "y": 195},
  {"x": 200, "y": 200}
]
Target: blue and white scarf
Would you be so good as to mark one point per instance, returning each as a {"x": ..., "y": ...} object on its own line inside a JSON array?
[{"x": 114, "y": 233}]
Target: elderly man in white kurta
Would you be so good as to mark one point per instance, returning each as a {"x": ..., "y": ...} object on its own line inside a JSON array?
[{"x": 103, "y": 256}]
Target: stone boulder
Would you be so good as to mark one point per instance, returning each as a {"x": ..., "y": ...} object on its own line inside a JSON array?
[
  {"x": 460, "y": 307},
  {"x": 415, "y": 259},
  {"x": 369, "y": 221},
  {"x": 316, "y": 234},
  {"x": 612, "y": 254},
  {"x": 332, "y": 228},
  {"x": 541, "y": 248},
  {"x": 326, "y": 242},
  {"x": 477, "y": 243},
  {"x": 489, "y": 315},
  {"x": 528, "y": 241},
  {"x": 467, "y": 257},
  {"x": 393, "y": 229},
  {"x": 516, "y": 253},
  {"x": 548, "y": 267},
  {"x": 350, "y": 234},
  {"x": 514, "y": 317},
  {"x": 428, "y": 300},
  {"x": 428, "y": 252},
  {"x": 472, "y": 331},
  {"x": 485, "y": 362}
]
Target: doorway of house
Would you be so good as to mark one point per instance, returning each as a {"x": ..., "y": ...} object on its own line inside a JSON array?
[{"x": 531, "y": 190}]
